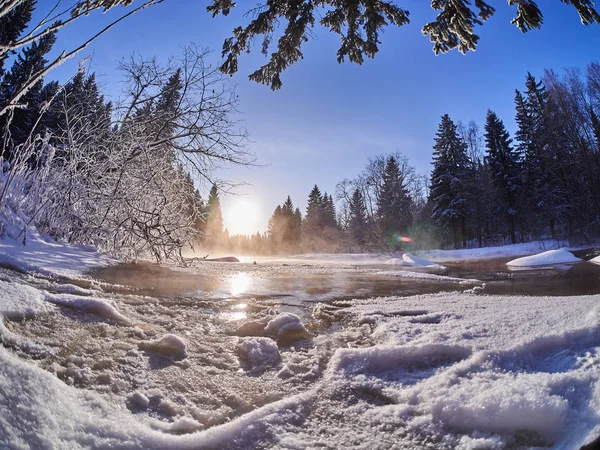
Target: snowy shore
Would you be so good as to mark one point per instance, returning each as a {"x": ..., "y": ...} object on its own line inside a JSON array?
[{"x": 83, "y": 367}]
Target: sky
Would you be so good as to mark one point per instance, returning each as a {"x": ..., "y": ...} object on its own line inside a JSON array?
[{"x": 329, "y": 118}]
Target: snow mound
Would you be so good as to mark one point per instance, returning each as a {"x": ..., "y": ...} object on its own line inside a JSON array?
[
  {"x": 97, "y": 306},
  {"x": 428, "y": 276},
  {"x": 285, "y": 328},
  {"x": 550, "y": 257},
  {"x": 169, "y": 345},
  {"x": 595, "y": 260},
  {"x": 258, "y": 352}
]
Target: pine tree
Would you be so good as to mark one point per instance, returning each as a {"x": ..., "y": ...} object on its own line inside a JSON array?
[
  {"x": 448, "y": 192},
  {"x": 357, "y": 220},
  {"x": 504, "y": 166},
  {"x": 214, "y": 224},
  {"x": 167, "y": 105},
  {"x": 328, "y": 212},
  {"x": 394, "y": 204}
]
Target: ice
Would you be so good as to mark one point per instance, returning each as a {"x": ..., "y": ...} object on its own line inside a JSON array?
[
  {"x": 98, "y": 306},
  {"x": 550, "y": 257},
  {"x": 169, "y": 345}
]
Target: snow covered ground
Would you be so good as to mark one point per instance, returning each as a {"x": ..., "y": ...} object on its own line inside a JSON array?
[
  {"x": 47, "y": 257},
  {"x": 528, "y": 248},
  {"x": 83, "y": 368}
]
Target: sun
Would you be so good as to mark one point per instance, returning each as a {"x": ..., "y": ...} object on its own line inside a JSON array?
[{"x": 241, "y": 218}]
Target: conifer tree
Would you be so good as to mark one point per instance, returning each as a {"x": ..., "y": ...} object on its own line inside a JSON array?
[
  {"x": 448, "y": 192},
  {"x": 504, "y": 166},
  {"x": 12, "y": 25},
  {"x": 30, "y": 61},
  {"x": 394, "y": 203},
  {"x": 214, "y": 223},
  {"x": 314, "y": 211},
  {"x": 357, "y": 220}
]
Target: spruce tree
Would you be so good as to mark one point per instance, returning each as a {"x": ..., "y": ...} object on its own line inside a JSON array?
[
  {"x": 214, "y": 224},
  {"x": 314, "y": 212},
  {"x": 30, "y": 62},
  {"x": 504, "y": 166},
  {"x": 448, "y": 192},
  {"x": 357, "y": 220},
  {"x": 12, "y": 25},
  {"x": 394, "y": 204}
]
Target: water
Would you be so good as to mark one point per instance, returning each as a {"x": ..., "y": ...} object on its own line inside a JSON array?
[{"x": 298, "y": 285}]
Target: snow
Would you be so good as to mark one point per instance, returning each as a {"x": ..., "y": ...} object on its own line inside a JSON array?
[
  {"x": 428, "y": 276},
  {"x": 169, "y": 345},
  {"x": 258, "y": 352},
  {"x": 50, "y": 258},
  {"x": 503, "y": 251},
  {"x": 98, "y": 306},
  {"x": 561, "y": 256},
  {"x": 412, "y": 261},
  {"x": 285, "y": 328},
  {"x": 448, "y": 370},
  {"x": 595, "y": 260}
]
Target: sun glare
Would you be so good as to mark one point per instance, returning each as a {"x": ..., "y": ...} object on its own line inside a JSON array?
[{"x": 241, "y": 218}]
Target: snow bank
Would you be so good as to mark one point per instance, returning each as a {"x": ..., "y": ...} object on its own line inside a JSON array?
[
  {"x": 489, "y": 252},
  {"x": 169, "y": 345},
  {"x": 595, "y": 260},
  {"x": 550, "y": 257},
  {"x": 97, "y": 306},
  {"x": 429, "y": 276},
  {"x": 51, "y": 258}
]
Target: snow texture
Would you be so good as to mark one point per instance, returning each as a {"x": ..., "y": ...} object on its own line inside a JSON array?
[
  {"x": 258, "y": 352},
  {"x": 548, "y": 258},
  {"x": 50, "y": 258}
]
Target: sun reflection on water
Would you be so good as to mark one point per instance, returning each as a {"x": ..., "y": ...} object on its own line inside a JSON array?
[{"x": 239, "y": 283}]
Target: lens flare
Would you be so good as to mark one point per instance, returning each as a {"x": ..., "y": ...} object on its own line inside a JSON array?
[{"x": 403, "y": 238}]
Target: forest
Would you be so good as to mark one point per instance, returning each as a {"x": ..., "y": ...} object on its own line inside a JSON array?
[
  {"x": 129, "y": 176},
  {"x": 485, "y": 188}
]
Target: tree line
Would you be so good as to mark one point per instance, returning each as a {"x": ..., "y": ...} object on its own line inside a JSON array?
[{"x": 485, "y": 187}]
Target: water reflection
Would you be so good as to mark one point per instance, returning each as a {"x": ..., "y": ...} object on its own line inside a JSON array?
[{"x": 238, "y": 284}]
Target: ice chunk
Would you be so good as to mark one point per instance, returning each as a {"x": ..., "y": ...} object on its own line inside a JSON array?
[
  {"x": 19, "y": 301},
  {"x": 168, "y": 345}
]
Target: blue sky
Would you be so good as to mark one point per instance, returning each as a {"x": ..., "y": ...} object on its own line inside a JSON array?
[{"x": 329, "y": 118}]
